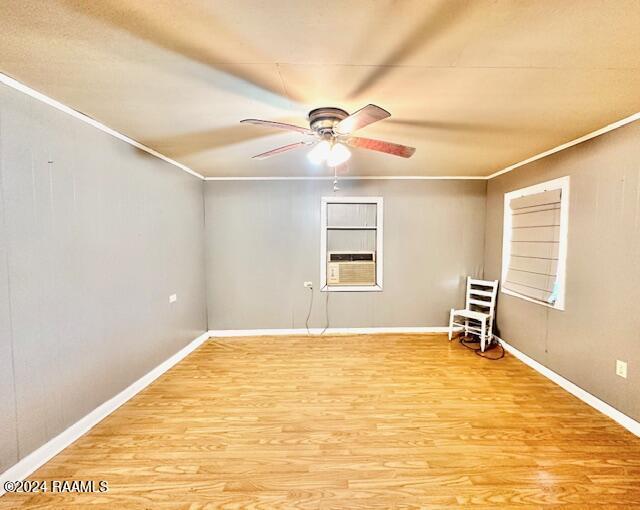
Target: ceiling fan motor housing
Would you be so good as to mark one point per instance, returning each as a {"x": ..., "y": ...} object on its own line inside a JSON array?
[{"x": 322, "y": 120}]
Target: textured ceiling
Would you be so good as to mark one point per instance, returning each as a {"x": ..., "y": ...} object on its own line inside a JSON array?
[{"x": 475, "y": 86}]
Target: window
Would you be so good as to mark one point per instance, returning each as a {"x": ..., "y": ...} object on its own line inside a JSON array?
[
  {"x": 351, "y": 244},
  {"x": 534, "y": 250}
]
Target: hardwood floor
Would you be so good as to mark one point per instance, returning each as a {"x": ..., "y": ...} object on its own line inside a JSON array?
[{"x": 385, "y": 421}]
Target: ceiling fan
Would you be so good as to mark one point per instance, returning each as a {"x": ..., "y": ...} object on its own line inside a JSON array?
[{"x": 330, "y": 131}]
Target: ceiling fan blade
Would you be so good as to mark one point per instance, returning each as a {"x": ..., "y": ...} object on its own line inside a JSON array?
[
  {"x": 280, "y": 150},
  {"x": 363, "y": 117},
  {"x": 379, "y": 145},
  {"x": 278, "y": 125}
]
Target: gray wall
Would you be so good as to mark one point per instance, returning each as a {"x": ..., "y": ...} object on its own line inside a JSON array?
[
  {"x": 601, "y": 322},
  {"x": 263, "y": 242},
  {"x": 91, "y": 246}
]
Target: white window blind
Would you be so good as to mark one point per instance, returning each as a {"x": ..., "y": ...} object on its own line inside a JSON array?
[{"x": 535, "y": 245}]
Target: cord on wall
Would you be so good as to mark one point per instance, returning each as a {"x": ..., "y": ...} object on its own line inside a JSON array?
[
  {"x": 306, "y": 322},
  {"x": 326, "y": 307}
]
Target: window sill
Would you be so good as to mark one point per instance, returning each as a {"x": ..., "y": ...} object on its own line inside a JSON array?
[
  {"x": 352, "y": 288},
  {"x": 557, "y": 306}
]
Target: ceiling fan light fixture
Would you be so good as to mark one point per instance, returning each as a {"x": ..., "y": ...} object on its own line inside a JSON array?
[
  {"x": 328, "y": 126},
  {"x": 320, "y": 152},
  {"x": 338, "y": 155}
]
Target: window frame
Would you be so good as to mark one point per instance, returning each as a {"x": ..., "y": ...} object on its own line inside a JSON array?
[
  {"x": 379, "y": 202},
  {"x": 563, "y": 184}
]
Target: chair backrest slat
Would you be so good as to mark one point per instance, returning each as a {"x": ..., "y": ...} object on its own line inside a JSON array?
[
  {"x": 477, "y": 292},
  {"x": 489, "y": 290},
  {"x": 481, "y": 298},
  {"x": 486, "y": 283}
]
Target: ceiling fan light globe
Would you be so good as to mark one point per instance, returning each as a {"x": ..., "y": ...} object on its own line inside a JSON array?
[
  {"x": 320, "y": 152},
  {"x": 338, "y": 155}
]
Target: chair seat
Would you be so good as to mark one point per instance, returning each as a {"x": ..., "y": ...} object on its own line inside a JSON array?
[
  {"x": 471, "y": 314},
  {"x": 476, "y": 297}
]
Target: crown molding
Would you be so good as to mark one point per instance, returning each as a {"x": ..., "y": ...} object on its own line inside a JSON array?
[
  {"x": 21, "y": 87},
  {"x": 15, "y": 84},
  {"x": 356, "y": 178},
  {"x": 588, "y": 136}
]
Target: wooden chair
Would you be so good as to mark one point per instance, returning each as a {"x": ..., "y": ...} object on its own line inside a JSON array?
[{"x": 479, "y": 311}]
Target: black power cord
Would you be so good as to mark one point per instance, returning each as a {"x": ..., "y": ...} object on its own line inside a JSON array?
[{"x": 469, "y": 342}]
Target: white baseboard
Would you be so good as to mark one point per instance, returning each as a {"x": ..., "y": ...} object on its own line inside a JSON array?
[
  {"x": 37, "y": 458},
  {"x": 627, "y": 422},
  {"x": 34, "y": 460},
  {"x": 330, "y": 331}
]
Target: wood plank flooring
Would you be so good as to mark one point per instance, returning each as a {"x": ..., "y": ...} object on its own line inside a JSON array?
[{"x": 341, "y": 422}]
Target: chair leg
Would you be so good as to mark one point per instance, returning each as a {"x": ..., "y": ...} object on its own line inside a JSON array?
[
  {"x": 490, "y": 332},
  {"x": 483, "y": 335},
  {"x": 451, "y": 324}
]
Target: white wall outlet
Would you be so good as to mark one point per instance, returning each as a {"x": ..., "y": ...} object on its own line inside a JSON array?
[
  {"x": 621, "y": 368},
  {"x": 173, "y": 298},
  {"x": 308, "y": 285}
]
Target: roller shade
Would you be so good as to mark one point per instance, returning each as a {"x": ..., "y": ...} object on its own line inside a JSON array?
[{"x": 535, "y": 242}]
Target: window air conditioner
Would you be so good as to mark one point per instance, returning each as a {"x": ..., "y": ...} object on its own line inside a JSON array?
[{"x": 351, "y": 268}]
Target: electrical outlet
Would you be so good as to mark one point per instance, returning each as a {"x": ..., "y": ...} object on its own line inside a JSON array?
[
  {"x": 308, "y": 285},
  {"x": 173, "y": 298},
  {"x": 621, "y": 368}
]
